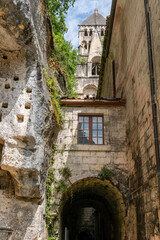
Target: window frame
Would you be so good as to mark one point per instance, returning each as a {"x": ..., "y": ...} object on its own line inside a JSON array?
[
  {"x": 96, "y": 67},
  {"x": 90, "y": 128}
]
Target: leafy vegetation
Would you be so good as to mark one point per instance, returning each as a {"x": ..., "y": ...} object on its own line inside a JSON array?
[
  {"x": 63, "y": 52},
  {"x": 55, "y": 96},
  {"x": 55, "y": 186},
  {"x": 82, "y": 60},
  {"x": 105, "y": 174},
  {"x": 65, "y": 57}
]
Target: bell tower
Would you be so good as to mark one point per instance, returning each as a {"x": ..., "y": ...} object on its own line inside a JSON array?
[{"x": 91, "y": 33}]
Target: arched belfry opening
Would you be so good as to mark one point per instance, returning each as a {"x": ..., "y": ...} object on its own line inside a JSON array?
[{"x": 92, "y": 209}]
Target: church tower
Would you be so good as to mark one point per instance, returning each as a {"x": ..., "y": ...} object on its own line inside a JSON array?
[{"x": 91, "y": 33}]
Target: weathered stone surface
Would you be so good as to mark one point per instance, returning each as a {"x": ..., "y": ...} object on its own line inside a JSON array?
[
  {"x": 27, "y": 122},
  {"x": 88, "y": 160},
  {"x": 129, "y": 51}
]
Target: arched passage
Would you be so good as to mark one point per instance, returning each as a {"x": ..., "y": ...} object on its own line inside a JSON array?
[{"x": 92, "y": 209}]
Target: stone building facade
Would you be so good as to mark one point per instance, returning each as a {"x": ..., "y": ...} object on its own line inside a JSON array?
[
  {"x": 27, "y": 122},
  {"x": 91, "y": 144},
  {"x": 109, "y": 144},
  {"x": 91, "y": 34},
  {"x": 130, "y": 66}
]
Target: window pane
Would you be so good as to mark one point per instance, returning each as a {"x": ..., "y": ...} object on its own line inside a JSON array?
[
  {"x": 86, "y": 133},
  {"x": 80, "y": 119},
  {"x": 86, "y": 140},
  {"x": 94, "y": 119},
  {"x": 100, "y": 119},
  {"x": 86, "y": 125},
  {"x": 94, "y": 126},
  {"x": 81, "y": 126},
  {"x": 100, "y": 140},
  {"x": 94, "y": 133},
  {"x": 99, "y": 126},
  {"x": 80, "y": 140},
  {"x": 80, "y": 133},
  {"x": 100, "y": 133},
  {"x": 94, "y": 141},
  {"x": 86, "y": 119}
]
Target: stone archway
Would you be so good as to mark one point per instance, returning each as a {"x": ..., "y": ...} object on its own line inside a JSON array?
[
  {"x": 90, "y": 90},
  {"x": 92, "y": 209}
]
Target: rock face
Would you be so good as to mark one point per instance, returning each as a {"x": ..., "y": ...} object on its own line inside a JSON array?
[{"x": 27, "y": 122}]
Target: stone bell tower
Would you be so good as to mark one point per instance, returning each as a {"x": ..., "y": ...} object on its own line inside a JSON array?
[{"x": 91, "y": 33}]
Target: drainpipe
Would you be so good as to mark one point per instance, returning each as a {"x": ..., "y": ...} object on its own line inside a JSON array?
[{"x": 152, "y": 85}]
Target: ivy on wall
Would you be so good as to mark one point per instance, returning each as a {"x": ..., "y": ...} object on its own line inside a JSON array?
[
  {"x": 55, "y": 186},
  {"x": 63, "y": 52},
  {"x": 55, "y": 96}
]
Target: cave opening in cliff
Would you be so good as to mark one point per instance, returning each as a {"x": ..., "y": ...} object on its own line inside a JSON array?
[{"x": 92, "y": 210}]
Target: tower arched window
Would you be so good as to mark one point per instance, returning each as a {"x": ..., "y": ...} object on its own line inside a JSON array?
[
  {"x": 85, "y": 33},
  {"x": 90, "y": 32},
  {"x": 96, "y": 65},
  {"x": 85, "y": 49},
  {"x": 102, "y": 32},
  {"x": 89, "y": 46}
]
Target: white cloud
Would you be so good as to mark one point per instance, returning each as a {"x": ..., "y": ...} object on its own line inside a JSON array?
[{"x": 81, "y": 10}]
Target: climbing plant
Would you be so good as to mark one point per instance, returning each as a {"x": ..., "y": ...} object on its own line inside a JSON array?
[
  {"x": 63, "y": 52},
  {"x": 55, "y": 96},
  {"x": 55, "y": 186},
  {"x": 105, "y": 174}
]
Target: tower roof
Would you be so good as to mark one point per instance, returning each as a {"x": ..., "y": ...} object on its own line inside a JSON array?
[{"x": 94, "y": 19}]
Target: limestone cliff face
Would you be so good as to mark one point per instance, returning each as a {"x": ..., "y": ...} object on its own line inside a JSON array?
[{"x": 27, "y": 122}]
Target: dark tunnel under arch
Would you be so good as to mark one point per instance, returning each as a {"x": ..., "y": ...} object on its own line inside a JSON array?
[{"x": 92, "y": 209}]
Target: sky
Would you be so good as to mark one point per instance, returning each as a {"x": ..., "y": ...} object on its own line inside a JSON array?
[{"x": 83, "y": 9}]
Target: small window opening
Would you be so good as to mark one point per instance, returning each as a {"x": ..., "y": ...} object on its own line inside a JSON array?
[
  {"x": 102, "y": 32},
  {"x": 85, "y": 33},
  {"x": 86, "y": 49},
  {"x": 20, "y": 118},
  {"x": 29, "y": 90},
  {"x": 27, "y": 106},
  {"x": 89, "y": 45},
  {"x": 90, "y": 32},
  {"x": 5, "y": 57},
  {"x": 16, "y": 78},
  {"x": 7, "y": 86},
  {"x": 5, "y": 105}
]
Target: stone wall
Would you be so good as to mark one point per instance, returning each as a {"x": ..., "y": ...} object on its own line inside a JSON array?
[
  {"x": 86, "y": 161},
  {"x": 130, "y": 52},
  {"x": 27, "y": 121}
]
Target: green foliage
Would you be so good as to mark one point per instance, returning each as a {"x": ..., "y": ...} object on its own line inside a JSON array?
[
  {"x": 55, "y": 96},
  {"x": 67, "y": 59},
  {"x": 58, "y": 10},
  {"x": 65, "y": 172},
  {"x": 53, "y": 187},
  {"x": 63, "y": 51},
  {"x": 105, "y": 174},
  {"x": 82, "y": 60},
  {"x": 61, "y": 186}
]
